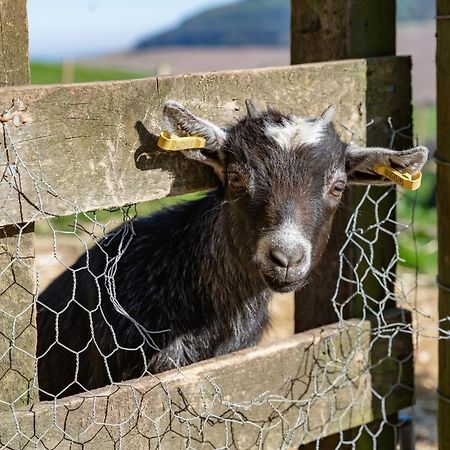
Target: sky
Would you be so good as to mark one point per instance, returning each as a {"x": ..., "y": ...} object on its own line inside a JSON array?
[{"x": 70, "y": 29}]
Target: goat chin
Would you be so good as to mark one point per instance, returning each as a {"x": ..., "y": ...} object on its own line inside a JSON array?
[{"x": 284, "y": 287}]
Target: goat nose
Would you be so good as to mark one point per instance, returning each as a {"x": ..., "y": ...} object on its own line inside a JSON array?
[{"x": 285, "y": 259}]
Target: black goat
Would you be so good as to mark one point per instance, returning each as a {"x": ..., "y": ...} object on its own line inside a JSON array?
[{"x": 193, "y": 281}]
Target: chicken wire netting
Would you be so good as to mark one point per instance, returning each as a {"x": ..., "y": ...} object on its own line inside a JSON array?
[{"x": 340, "y": 386}]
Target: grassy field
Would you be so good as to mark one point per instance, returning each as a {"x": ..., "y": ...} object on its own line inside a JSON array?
[
  {"x": 417, "y": 246},
  {"x": 43, "y": 73},
  {"x": 422, "y": 238},
  {"x": 425, "y": 123}
]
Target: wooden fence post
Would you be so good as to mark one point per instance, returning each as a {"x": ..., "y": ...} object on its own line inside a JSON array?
[
  {"x": 323, "y": 30},
  {"x": 326, "y": 30},
  {"x": 443, "y": 204},
  {"x": 17, "y": 280}
]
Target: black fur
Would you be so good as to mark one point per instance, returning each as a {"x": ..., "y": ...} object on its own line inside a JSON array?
[
  {"x": 187, "y": 277},
  {"x": 178, "y": 277}
]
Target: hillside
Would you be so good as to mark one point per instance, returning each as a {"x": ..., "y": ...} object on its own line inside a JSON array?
[
  {"x": 261, "y": 22},
  {"x": 415, "y": 10},
  {"x": 255, "y": 22}
]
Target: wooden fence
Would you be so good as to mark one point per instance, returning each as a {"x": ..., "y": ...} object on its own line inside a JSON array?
[
  {"x": 443, "y": 176},
  {"x": 92, "y": 146}
]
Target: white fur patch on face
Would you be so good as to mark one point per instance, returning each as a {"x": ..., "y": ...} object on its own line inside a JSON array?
[
  {"x": 295, "y": 132},
  {"x": 287, "y": 236}
]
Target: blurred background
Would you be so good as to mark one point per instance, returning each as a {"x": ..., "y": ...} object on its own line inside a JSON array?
[{"x": 93, "y": 40}]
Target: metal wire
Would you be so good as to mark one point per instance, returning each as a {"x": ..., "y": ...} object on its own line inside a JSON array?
[{"x": 175, "y": 417}]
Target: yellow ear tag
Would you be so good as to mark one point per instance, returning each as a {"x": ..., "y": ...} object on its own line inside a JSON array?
[
  {"x": 175, "y": 143},
  {"x": 405, "y": 180}
]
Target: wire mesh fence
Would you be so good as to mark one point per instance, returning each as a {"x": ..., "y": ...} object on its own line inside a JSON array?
[{"x": 343, "y": 383}]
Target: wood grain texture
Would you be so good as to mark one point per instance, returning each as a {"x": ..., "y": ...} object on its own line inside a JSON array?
[
  {"x": 14, "y": 68},
  {"x": 17, "y": 278},
  {"x": 443, "y": 204},
  {"x": 289, "y": 392},
  {"x": 328, "y": 30},
  {"x": 93, "y": 146}
]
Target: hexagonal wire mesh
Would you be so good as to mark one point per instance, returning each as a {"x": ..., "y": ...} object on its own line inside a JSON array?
[{"x": 336, "y": 377}]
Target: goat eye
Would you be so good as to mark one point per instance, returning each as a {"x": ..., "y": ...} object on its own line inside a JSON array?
[{"x": 337, "y": 189}]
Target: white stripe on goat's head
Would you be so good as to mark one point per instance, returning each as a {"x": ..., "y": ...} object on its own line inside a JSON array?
[
  {"x": 282, "y": 179},
  {"x": 295, "y": 131}
]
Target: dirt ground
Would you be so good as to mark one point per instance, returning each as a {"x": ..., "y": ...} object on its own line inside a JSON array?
[{"x": 421, "y": 300}]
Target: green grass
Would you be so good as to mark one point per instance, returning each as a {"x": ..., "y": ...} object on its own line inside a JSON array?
[
  {"x": 425, "y": 123},
  {"x": 91, "y": 222},
  {"x": 43, "y": 73},
  {"x": 418, "y": 245}
]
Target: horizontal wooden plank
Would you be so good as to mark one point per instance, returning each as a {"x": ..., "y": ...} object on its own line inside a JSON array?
[
  {"x": 93, "y": 146},
  {"x": 281, "y": 395}
]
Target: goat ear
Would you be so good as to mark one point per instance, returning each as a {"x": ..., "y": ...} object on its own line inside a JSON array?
[
  {"x": 252, "y": 110},
  {"x": 328, "y": 115},
  {"x": 360, "y": 162},
  {"x": 181, "y": 122}
]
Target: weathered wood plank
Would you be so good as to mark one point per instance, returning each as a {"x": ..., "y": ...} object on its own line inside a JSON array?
[
  {"x": 93, "y": 146},
  {"x": 284, "y": 394},
  {"x": 17, "y": 278},
  {"x": 327, "y": 30},
  {"x": 443, "y": 203},
  {"x": 14, "y": 68}
]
